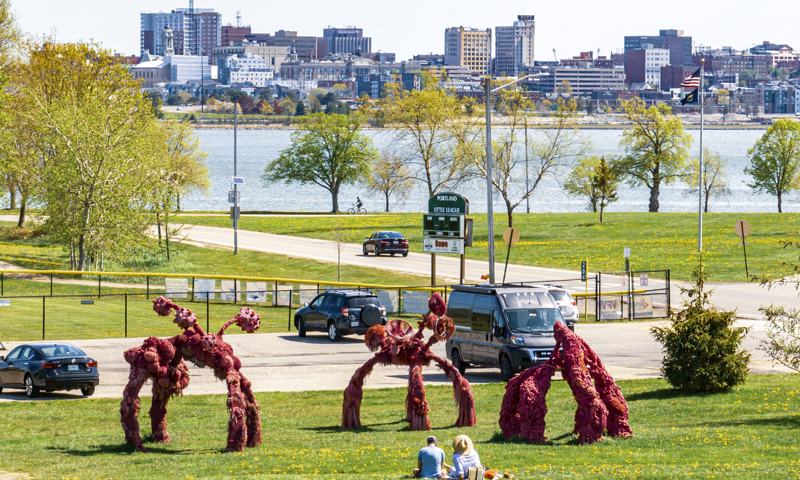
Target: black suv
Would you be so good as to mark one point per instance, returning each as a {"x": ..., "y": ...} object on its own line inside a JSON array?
[{"x": 340, "y": 312}]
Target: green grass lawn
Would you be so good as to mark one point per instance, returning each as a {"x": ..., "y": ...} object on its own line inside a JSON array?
[
  {"x": 752, "y": 432},
  {"x": 657, "y": 240}
]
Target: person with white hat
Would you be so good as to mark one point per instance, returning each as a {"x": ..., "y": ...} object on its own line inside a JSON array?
[
  {"x": 464, "y": 457},
  {"x": 430, "y": 460}
]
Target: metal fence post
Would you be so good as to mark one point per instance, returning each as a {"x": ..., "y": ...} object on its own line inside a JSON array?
[
  {"x": 98, "y": 286},
  {"x": 193, "y": 281},
  {"x": 598, "y": 287},
  {"x": 289, "y": 325},
  {"x": 126, "y": 315},
  {"x": 148, "y": 286},
  {"x": 43, "y": 305},
  {"x": 630, "y": 296},
  {"x": 51, "y": 284},
  {"x": 207, "y": 312},
  {"x": 669, "y": 295},
  {"x": 2, "y": 281}
]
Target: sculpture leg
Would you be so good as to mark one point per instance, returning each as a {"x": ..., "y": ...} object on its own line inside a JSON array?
[
  {"x": 591, "y": 416},
  {"x": 532, "y": 406},
  {"x": 158, "y": 412},
  {"x": 252, "y": 414},
  {"x": 236, "y": 406},
  {"x": 416, "y": 404},
  {"x": 351, "y": 407},
  {"x": 611, "y": 396},
  {"x": 129, "y": 408},
  {"x": 462, "y": 392}
]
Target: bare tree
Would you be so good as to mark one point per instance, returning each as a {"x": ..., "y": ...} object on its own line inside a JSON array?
[{"x": 390, "y": 176}]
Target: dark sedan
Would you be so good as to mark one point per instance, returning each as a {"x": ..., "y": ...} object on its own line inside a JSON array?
[
  {"x": 386, "y": 242},
  {"x": 48, "y": 367}
]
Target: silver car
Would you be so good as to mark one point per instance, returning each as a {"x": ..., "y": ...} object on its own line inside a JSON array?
[{"x": 567, "y": 305}]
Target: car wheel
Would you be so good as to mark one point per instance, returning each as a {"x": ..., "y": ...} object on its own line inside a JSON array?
[
  {"x": 1, "y": 389},
  {"x": 30, "y": 389},
  {"x": 301, "y": 327},
  {"x": 506, "y": 370},
  {"x": 393, "y": 254},
  {"x": 333, "y": 332},
  {"x": 405, "y": 254},
  {"x": 377, "y": 251},
  {"x": 88, "y": 391},
  {"x": 458, "y": 362},
  {"x": 364, "y": 250}
]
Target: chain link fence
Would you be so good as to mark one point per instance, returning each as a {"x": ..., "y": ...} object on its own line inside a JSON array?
[{"x": 50, "y": 306}]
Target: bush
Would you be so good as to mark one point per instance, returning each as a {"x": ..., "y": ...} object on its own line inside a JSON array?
[{"x": 702, "y": 349}]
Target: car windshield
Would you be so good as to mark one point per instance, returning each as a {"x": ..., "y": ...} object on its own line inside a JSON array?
[
  {"x": 533, "y": 320},
  {"x": 559, "y": 295},
  {"x": 61, "y": 351},
  {"x": 357, "y": 302}
]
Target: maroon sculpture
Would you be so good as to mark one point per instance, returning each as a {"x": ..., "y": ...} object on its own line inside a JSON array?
[
  {"x": 397, "y": 344},
  {"x": 601, "y": 405},
  {"x": 162, "y": 360}
]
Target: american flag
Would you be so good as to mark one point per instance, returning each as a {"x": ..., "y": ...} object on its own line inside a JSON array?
[{"x": 692, "y": 81}]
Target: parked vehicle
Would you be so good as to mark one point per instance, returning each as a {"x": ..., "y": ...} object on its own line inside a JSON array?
[
  {"x": 505, "y": 326},
  {"x": 48, "y": 367},
  {"x": 340, "y": 312},
  {"x": 567, "y": 305},
  {"x": 386, "y": 242}
]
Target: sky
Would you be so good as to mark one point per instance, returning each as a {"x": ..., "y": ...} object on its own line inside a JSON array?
[{"x": 410, "y": 27}]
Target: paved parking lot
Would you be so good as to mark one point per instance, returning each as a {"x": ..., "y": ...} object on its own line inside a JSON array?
[{"x": 285, "y": 362}]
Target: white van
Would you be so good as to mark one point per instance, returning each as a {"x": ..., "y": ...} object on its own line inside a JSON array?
[{"x": 505, "y": 326}]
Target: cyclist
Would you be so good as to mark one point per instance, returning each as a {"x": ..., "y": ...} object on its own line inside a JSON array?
[{"x": 358, "y": 204}]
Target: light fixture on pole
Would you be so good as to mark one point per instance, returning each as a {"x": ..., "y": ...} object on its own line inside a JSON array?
[{"x": 488, "y": 91}]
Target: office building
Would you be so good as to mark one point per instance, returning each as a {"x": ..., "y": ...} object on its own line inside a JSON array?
[
  {"x": 514, "y": 46},
  {"x": 248, "y": 68},
  {"x": 581, "y": 80},
  {"x": 194, "y": 33},
  {"x": 346, "y": 40},
  {"x": 275, "y": 57},
  {"x": 644, "y": 66},
  {"x": 469, "y": 47},
  {"x": 680, "y": 47},
  {"x": 231, "y": 34}
]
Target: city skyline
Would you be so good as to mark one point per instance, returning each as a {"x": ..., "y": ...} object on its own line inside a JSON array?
[{"x": 419, "y": 27}]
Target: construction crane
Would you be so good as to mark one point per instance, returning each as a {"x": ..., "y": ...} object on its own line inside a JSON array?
[
  {"x": 239, "y": 19},
  {"x": 555, "y": 57}
]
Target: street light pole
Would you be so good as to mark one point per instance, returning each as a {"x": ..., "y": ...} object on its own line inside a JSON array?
[
  {"x": 488, "y": 91},
  {"x": 489, "y": 205},
  {"x": 235, "y": 189}
]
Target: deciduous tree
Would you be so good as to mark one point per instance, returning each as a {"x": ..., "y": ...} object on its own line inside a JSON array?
[
  {"x": 593, "y": 178},
  {"x": 715, "y": 177},
  {"x": 389, "y": 177},
  {"x": 328, "y": 151},
  {"x": 424, "y": 121},
  {"x": 775, "y": 160},
  {"x": 656, "y": 148}
]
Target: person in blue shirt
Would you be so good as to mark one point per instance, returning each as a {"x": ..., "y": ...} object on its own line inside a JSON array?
[{"x": 430, "y": 461}]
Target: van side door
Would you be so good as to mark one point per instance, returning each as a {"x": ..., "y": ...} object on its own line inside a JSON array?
[
  {"x": 485, "y": 349},
  {"x": 459, "y": 308}
]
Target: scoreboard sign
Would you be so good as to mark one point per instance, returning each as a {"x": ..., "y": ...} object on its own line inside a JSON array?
[
  {"x": 448, "y": 203},
  {"x": 443, "y": 225}
]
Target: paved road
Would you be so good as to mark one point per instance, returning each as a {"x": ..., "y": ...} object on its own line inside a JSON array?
[
  {"x": 285, "y": 362},
  {"x": 747, "y": 298}
]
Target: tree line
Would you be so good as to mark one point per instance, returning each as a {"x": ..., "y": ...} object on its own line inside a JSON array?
[
  {"x": 83, "y": 144},
  {"x": 439, "y": 144}
]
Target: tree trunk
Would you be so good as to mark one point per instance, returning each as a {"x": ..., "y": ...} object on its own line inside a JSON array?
[
  {"x": 335, "y": 199},
  {"x": 81, "y": 252},
  {"x": 387, "y": 203},
  {"x": 601, "y": 212},
  {"x": 21, "y": 222},
  {"x": 779, "y": 203},
  {"x": 158, "y": 226},
  {"x": 510, "y": 214},
  {"x": 12, "y": 197},
  {"x": 654, "y": 195},
  {"x": 166, "y": 231}
]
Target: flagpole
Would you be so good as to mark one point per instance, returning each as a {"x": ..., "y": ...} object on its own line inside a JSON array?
[{"x": 700, "y": 171}]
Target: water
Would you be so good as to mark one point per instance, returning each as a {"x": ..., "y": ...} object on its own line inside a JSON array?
[{"x": 256, "y": 148}]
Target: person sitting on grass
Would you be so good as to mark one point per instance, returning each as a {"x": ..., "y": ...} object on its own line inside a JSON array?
[
  {"x": 430, "y": 460},
  {"x": 464, "y": 456}
]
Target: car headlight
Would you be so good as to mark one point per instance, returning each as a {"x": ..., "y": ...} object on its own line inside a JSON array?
[{"x": 517, "y": 340}]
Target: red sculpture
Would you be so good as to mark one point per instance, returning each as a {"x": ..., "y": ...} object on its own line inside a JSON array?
[
  {"x": 601, "y": 405},
  {"x": 162, "y": 360},
  {"x": 399, "y": 345}
]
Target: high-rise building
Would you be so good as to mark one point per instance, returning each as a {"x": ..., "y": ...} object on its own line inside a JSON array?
[
  {"x": 470, "y": 47},
  {"x": 680, "y": 47},
  {"x": 346, "y": 40},
  {"x": 644, "y": 66},
  {"x": 514, "y": 46},
  {"x": 194, "y": 33}
]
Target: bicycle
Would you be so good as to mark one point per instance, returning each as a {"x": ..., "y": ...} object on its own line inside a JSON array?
[{"x": 354, "y": 209}]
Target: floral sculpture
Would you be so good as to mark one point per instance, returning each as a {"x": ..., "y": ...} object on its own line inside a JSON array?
[
  {"x": 397, "y": 344},
  {"x": 601, "y": 405},
  {"x": 162, "y": 360}
]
